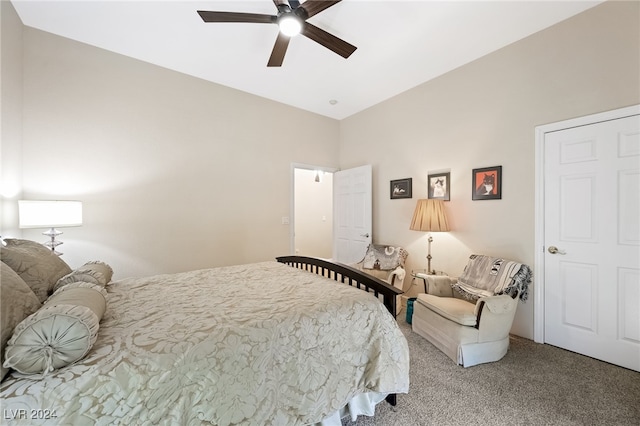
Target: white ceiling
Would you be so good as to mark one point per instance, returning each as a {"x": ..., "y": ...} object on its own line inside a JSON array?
[{"x": 401, "y": 44}]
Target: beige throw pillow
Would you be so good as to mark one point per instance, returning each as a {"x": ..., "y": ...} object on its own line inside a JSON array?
[
  {"x": 95, "y": 272},
  {"x": 60, "y": 333},
  {"x": 17, "y": 302},
  {"x": 36, "y": 265}
]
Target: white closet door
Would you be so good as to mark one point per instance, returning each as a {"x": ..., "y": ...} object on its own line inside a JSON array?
[{"x": 592, "y": 240}]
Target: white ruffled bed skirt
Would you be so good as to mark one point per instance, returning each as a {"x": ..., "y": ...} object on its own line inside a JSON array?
[{"x": 361, "y": 404}]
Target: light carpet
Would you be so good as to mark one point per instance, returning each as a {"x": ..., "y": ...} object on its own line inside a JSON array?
[{"x": 533, "y": 384}]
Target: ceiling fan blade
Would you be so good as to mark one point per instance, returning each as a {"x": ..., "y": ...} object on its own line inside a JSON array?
[
  {"x": 236, "y": 17},
  {"x": 329, "y": 41},
  {"x": 313, "y": 7},
  {"x": 279, "y": 49}
]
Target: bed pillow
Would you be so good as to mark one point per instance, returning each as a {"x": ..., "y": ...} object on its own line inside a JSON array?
[
  {"x": 36, "y": 265},
  {"x": 60, "y": 333},
  {"x": 95, "y": 272},
  {"x": 17, "y": 302}
]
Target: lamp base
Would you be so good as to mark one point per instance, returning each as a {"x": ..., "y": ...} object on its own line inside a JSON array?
[
  {"x": 429, "y": 270},
  {"x": 52, "y": 233}
]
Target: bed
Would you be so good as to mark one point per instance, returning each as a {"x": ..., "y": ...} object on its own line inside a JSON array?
[{"x": 289, "y": 342}]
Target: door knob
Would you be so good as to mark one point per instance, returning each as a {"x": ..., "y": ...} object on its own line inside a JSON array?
[
  {"x": 555, "y": 250},
  {"x": 365, "y": 235}
]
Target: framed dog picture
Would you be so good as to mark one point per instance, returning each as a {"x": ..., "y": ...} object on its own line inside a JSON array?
[
  {"x": 401, "y": 188},
  {"x": 487, "y": 183},
  {"x": 439, "y": 186}
]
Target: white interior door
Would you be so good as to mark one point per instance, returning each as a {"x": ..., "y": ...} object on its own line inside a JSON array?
[
  {"x": 592, "y": 240},
  {"x": 352, "y": 214}
]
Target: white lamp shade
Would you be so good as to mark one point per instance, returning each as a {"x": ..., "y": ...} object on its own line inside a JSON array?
[{"x": 49, "y": 214}]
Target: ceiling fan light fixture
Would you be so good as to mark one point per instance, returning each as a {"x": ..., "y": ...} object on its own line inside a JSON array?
[
  {"x": 291, "y": 20},
  {"x": 290, "y": 25}
]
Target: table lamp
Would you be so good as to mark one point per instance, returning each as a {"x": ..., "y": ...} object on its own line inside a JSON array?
[
  {"x": 429, "y": 216},
  {"x": 49, "y": 214}
]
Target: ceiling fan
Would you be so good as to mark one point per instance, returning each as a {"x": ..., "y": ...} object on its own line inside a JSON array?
[{"x": 292, "y": 19}]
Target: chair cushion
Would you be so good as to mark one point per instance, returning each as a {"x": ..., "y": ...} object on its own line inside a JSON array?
[{"x": 456, "y": 310}]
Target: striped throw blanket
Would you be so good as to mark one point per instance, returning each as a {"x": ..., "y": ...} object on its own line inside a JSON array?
[{"x": 487, "y": 276}]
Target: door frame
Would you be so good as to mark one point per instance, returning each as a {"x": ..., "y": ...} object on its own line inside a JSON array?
[
  {"x": 539, "y": 253},
  {"x": 292, "y": 202}
]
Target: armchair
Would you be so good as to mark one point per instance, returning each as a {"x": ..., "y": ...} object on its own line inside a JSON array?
[
  {"x": 384, "y": 262},
  {"x": 469, "y": 318}
]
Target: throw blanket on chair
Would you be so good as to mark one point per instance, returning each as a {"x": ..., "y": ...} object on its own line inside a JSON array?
[
  {"x": 485, "y": 276},
  {"x": 385, "y": 258}
]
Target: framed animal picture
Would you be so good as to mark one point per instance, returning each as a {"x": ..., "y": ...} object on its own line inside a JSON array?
[
  {"x": 439, "y": 186},
  {"x": 487, "y": 183},
  {"x": 401, "y": 188}
]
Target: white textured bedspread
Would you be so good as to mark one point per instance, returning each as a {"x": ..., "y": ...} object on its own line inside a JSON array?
[{"x": 256, "y": 344}]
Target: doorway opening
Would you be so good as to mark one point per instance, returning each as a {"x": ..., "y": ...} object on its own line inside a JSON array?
[{"x": 312, "y": 211}]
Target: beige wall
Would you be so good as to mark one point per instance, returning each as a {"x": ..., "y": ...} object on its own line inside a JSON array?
[
  {"x": 175, "y": 173},
  {"x": 313, "y": 214},
  {"x": 484, "y": 114},
  {"x": 11, "y": 117}
]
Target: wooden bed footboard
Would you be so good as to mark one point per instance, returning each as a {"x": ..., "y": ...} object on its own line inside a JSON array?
[{"x": 348, "y": 275}]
